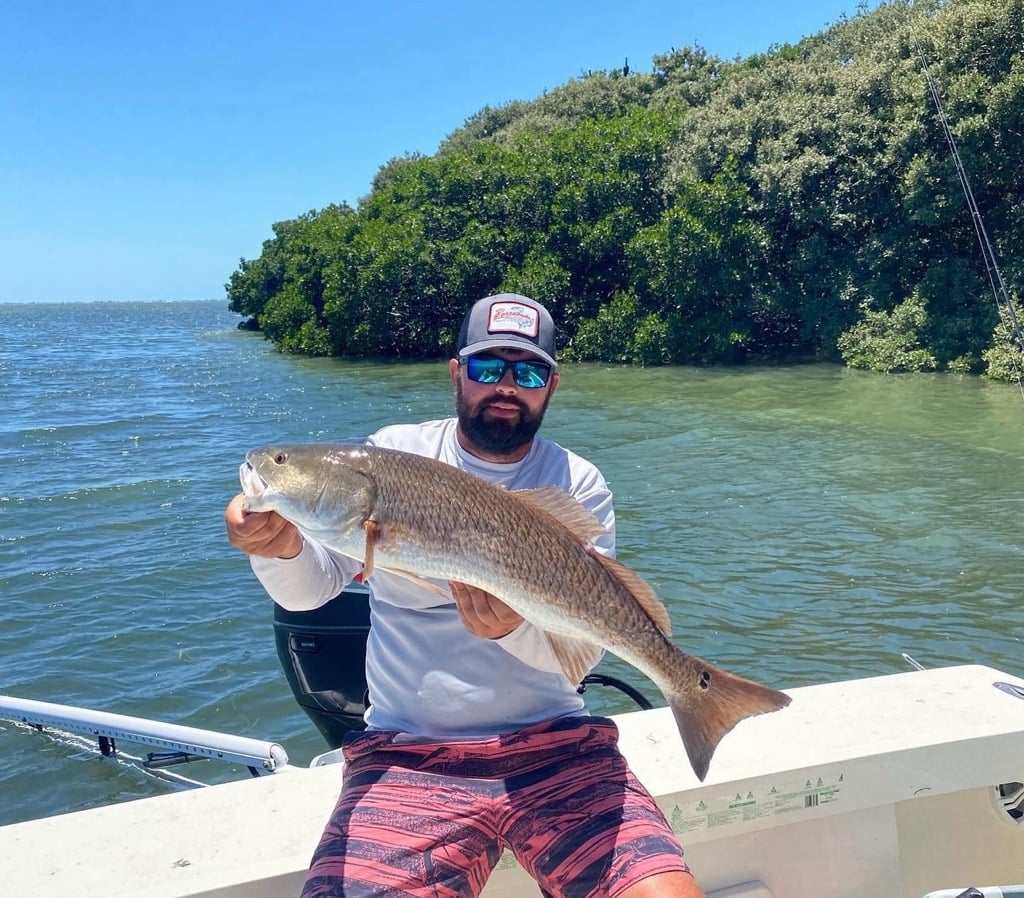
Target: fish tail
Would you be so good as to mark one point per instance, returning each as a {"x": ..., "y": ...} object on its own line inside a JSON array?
[{"x": 719, "y": 702}]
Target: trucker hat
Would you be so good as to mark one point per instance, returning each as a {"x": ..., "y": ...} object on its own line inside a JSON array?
[{"x": 509, "y": 321}]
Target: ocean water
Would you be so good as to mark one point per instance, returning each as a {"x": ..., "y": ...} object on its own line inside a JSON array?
[{"x": 803, "y": 524}]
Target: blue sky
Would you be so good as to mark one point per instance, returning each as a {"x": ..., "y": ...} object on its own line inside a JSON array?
[{"x": 147, "y": 146}]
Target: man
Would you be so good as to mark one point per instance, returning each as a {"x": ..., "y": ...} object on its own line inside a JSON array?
[{"x": 476, "y": 741}]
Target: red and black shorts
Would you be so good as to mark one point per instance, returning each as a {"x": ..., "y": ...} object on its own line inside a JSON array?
[{"x": 431, "y": 818}]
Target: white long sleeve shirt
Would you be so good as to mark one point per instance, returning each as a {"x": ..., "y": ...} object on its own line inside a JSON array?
[{"x": 426, "y": 674}]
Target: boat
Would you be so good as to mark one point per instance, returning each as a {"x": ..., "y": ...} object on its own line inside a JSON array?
[{"x": 904, "y": 785}]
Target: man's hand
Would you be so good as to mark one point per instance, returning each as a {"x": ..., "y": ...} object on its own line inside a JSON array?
[
  {"x": 263, "y": 533},
  {"x": 482, "y": 614}
]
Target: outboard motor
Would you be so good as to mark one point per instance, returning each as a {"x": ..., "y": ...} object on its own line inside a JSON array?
[{"x": 323, "y": 653}]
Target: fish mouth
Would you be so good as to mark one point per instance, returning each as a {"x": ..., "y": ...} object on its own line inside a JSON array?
[{"x": 253, "y": 486}]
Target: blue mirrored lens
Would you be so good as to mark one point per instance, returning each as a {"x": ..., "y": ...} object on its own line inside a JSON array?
[{"x": 490, "y": 370}]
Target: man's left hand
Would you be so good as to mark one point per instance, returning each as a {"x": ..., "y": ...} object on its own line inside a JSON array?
[{"x": 483, "y": 614}]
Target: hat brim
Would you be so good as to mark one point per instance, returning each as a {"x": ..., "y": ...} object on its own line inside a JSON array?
[{"x": 506, "y": 343}]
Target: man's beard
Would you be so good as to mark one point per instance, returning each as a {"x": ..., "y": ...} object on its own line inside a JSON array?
[{"x": 497, "y": 436}]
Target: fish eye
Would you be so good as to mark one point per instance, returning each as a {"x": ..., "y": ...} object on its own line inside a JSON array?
[{"x": 280, "y": 458}]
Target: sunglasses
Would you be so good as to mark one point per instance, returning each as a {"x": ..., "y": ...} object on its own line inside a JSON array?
[{"x": 486, "y": 369}]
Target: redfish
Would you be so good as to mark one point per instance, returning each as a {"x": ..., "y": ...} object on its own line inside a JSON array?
[{"x": 421, "y": 518}]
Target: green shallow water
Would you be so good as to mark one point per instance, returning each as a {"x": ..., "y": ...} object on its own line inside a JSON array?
[{"x": 803, "y": 524}]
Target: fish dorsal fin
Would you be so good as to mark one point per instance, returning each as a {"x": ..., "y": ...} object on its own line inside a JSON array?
[
  {"x": 571, "y": 514},
  {"x": 645, "y": 596},
  {"x": 565, "y": 509},
  {"x": 577, "y": 657}
]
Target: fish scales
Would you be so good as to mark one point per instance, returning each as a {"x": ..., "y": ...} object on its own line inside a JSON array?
[
  {"x": 497, "y": 543},
  {"x": 424, "y": 519}
]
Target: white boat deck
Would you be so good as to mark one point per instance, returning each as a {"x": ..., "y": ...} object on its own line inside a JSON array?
[{"x": 875, "y": 787}]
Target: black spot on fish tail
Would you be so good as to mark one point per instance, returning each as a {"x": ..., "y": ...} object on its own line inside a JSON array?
[{"x": 720, "y": 702}]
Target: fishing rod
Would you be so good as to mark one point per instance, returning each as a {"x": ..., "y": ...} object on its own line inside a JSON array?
[{"x": 995, "y": 276}]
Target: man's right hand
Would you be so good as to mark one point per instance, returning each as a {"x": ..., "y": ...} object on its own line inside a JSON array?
[{"x": 263, "y": 533}]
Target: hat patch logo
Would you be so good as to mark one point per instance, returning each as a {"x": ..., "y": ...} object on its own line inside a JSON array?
[{"x": 513, "y": 318}]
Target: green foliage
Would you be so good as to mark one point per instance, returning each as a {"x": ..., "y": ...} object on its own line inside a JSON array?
[
  {"x": 700, "y": 266},
  {"x": 801, "y": 203},
  {"x": 283, "y": 290},
  {"x": 889, "y": 341},
  {"x": 621, "y": 332},
  {"x": 541, "y": 274},
  {"x": 1005, "y": 357}
]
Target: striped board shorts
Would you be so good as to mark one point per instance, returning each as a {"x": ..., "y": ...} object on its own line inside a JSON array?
[{"x": 431, "y": 818}]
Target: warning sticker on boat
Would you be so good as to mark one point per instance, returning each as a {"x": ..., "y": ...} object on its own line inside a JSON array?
[{"x": 753, "y": 804}]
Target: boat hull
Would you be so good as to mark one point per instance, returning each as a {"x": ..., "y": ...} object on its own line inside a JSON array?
[{"x": 886, "y": 786}]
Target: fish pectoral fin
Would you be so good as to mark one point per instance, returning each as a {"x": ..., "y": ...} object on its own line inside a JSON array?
[
  {"x": 577, "y": 657},
  {"x": 565, "y": 509},
  {"x": 372, "y": 531},
  {"x": 640, "y": 589}
]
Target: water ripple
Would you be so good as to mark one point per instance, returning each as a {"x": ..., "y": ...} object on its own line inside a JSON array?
[{"x": 803, "y": 525}]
